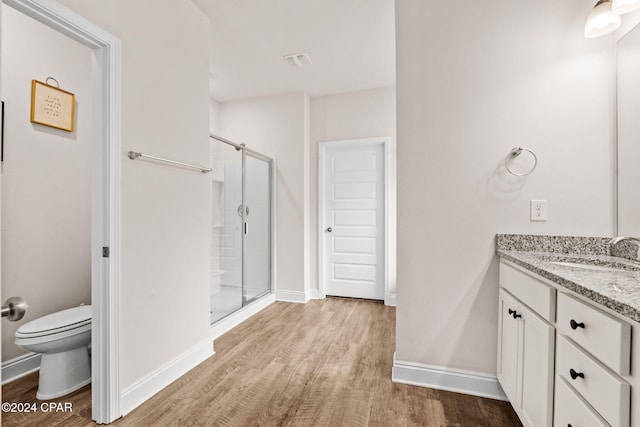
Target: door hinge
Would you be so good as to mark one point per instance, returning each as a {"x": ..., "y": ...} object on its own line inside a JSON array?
[{"x": 105, "y": 252}]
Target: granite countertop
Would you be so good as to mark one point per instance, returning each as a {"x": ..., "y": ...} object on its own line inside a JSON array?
[{"x": 611, "y": 281}]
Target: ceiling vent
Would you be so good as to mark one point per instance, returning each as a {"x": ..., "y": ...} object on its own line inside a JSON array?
[{"x": 297, "y": 59}]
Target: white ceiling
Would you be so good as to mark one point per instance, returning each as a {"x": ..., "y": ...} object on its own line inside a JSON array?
[{"x": 351, "y": 44}]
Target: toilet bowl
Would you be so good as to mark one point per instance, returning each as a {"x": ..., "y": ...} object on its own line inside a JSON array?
[{"x": 63, "y": 339}]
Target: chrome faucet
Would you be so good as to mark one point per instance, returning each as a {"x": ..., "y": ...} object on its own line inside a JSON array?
[{"x": 624, "y": 239}]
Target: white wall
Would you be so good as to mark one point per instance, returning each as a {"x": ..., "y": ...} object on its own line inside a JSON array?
[
  {"x": 514, "y": 73},
  {"x": 46, "y": 187},
  {"x": 214, "y": 108},
  {"x": 166, "y": 213},
  {"x": 352, "y": 115},
  {"x": 289, "y": 128},
  {"x": 275, "y": 127}
]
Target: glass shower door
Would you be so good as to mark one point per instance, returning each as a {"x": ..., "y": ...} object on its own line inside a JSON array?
[
  {"x": 226, "y": 252},
  {"x": 257, "y": 226}
]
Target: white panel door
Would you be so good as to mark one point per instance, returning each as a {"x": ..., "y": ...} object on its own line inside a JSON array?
[{"x": 352, "y": 220}]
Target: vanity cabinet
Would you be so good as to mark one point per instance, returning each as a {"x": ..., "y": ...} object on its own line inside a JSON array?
[
  {"x": 562, "y": 361},
  {"x": 526, "y": 349}
]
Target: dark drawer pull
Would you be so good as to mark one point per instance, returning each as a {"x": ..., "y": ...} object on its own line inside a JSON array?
[
  {"x": 514, "y": 314},
  {"x": 576, "y": 325},
  {"x": 575, "y": 374}
]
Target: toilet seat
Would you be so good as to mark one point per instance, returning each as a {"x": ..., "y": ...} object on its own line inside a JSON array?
[{"x": 62, "y": 324}]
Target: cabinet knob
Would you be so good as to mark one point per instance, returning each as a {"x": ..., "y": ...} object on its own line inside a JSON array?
[
  {"x": 575, "y": 374},
  {"x": 576, "y": 325},
  {"x": 329, "y": 229},
  {"x": 514, "y": 314}
]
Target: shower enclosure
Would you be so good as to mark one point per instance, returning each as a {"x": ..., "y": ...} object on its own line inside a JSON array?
[{"x": 241, "y": 231}]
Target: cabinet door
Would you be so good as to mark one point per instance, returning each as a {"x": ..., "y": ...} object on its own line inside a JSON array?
[
  {"x": 538, "y": 350},
  {"x": 508, "y": 347}
]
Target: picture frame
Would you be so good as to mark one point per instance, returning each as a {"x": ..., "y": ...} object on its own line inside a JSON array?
[{"x": 52, "y": 106}]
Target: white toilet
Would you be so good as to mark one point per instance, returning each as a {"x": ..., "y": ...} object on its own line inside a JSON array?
[{"x": 63, "y": 339}]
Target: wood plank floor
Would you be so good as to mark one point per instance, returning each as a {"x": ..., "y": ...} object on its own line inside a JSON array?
[{"x": 325, "y": 363}]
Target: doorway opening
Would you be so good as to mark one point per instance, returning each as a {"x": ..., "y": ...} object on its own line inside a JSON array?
[{"x": 104, "y": 226}]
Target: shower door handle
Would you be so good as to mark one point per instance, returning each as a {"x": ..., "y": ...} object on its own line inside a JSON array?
[
  {"x": 246, "y": 228},
  {"x": 14, "y": 309},
  {"x": 246, "y": 209}
]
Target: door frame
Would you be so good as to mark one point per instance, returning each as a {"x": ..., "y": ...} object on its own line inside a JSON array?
[
  {"x": 322, "y": 149},
  {"x": 105, "y": 221}
]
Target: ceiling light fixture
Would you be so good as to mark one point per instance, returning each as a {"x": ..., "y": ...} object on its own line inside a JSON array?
[
  {"x": 297, "y": 59},
  {"x": 624, "y": 6},
  {"x": 601, "y": 20}
]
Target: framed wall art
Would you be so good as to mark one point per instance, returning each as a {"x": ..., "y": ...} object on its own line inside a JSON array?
[{"x": 52, "y": 106}]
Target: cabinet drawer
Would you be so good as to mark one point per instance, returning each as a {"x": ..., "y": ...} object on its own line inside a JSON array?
[
  {"x": 540, "y": 297},
  {"x": 608, "y": 394},
  {"x": 573, "y": 410},
  {"x": 605, "y": 337}
]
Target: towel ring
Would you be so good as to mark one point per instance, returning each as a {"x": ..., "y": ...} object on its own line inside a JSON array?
[{"x": 515, "y": 152}]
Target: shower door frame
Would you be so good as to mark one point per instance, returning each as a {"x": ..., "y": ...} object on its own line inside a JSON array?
[
  {"x": 221, "y": 325},
  {"x": 246, "y": 152}
]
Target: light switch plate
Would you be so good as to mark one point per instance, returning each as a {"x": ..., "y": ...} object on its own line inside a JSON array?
[{"x": 538, "y": 210}]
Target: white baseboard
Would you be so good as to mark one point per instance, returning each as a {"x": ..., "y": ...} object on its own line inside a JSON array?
[
  {"x": 314, "y": 294},
  {"x": 438, "y": 377},
  {"x": 390, "y": 300},
  {"x": 138, "y": 393},
  {"x": 291, "y": 296},
  {"x": 20, "y": 366},
  {"x": 233, "y": 320}
]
